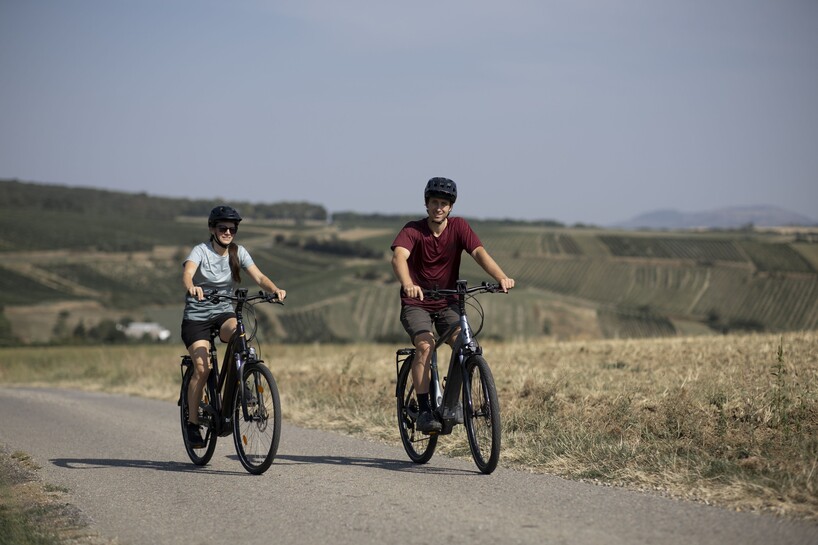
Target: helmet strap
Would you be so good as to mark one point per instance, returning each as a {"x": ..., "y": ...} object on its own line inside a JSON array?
[{"x": 215, "y": 239}]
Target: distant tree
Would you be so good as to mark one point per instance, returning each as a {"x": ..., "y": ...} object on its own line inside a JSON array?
[
  {"x": 7, "y": 337},
  {"x": 80, "y": 331},
  {"x": 106, "y": 331},
  {"x": 60, "y": 330}
]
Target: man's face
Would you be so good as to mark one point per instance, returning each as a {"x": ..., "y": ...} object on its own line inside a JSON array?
[{"x": 438, "y": 209}]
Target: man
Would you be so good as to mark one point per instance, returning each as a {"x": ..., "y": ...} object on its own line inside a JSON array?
[{"x": 426, "y": 255}]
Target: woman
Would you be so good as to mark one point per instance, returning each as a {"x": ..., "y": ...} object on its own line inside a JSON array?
[{"x": 213, "y": 265}]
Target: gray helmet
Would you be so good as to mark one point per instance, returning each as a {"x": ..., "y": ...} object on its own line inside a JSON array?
[
  {"x": 443, "y": 188},
  {"x": 223, "y": 213}
]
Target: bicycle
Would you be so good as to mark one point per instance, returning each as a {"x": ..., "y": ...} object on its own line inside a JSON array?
[
  {"x": 249, "y": 407},
  {"x": 468, "y": 374}
]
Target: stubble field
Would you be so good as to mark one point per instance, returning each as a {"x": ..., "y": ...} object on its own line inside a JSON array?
[{"x": 728, "y": 420}]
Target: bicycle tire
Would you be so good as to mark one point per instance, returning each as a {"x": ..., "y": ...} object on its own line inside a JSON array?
[
  {"x": 419, "y": 446},
  {"x": 481, "y": 411},
  {"x": 257, "y": 438},
  {"x": 199, "y": 456}
]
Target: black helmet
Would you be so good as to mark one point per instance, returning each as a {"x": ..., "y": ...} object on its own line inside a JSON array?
[
  {"x": 223, "y": 213},
  {"x": 443, "y": 188}
]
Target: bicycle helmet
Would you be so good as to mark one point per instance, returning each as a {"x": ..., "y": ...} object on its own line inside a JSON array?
[
  {"x": 443, "y": 188},
  {"x": 223, "y": 213}
]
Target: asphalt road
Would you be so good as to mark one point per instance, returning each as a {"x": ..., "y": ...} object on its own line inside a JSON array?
[{"x": 122, "y": 460}]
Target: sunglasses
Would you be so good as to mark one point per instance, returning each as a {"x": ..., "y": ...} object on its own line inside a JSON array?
[{"x": 225, "y": 229}]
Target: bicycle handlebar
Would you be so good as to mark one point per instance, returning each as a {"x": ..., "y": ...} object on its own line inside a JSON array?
[
  {"x": 241, "y": 296},
  {"x": 462, "y": 290}
]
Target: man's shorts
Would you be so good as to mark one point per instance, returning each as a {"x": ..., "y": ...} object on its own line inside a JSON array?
[
  {"x": 193, "y": 331},
  {"x": 416, "y": 320}
]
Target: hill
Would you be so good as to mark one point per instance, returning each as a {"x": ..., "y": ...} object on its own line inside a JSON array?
[
  {"x": 723, "y": 218},
  {"x": 77, "y": 259}
]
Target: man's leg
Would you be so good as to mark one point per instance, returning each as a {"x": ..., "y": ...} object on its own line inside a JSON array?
[{"x": 421, "y": 364}]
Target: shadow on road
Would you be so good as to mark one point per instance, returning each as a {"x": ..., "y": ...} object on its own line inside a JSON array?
[
  {"x": 378, "y": 463},
  {"x": 281, "y": 459},
  {"x": 176, "y": 467}
]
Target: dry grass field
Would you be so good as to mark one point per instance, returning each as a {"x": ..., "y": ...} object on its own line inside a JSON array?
[{"x": 728, "y": 420}]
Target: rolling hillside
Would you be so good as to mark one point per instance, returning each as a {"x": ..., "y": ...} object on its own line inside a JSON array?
[{"x": 76, "y": 257}]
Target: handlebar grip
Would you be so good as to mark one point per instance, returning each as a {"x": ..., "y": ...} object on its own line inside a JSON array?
[{"x": 271, "y": 298}]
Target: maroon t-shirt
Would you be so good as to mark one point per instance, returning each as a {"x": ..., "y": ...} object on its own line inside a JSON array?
[{"x": 435, "y": 261}]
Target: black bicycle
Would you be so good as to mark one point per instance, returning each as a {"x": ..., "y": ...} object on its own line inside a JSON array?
[
  {"x": 468, "y": 396},
  {"x": 240, "y": 398}
]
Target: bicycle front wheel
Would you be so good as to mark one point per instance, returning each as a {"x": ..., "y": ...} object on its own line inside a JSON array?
[
  {"x": 420, "y": 447},
  {"x": 256, "y": 434},
  {"x": 199, "y": 456},
  {"x": 481, "y": 410}
]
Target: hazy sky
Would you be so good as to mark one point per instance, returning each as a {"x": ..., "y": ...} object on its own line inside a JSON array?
[{"x": 574, "y": 110}]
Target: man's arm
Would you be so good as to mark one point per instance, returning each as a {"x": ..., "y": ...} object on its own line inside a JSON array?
[
  {"x": 492, "y": 268},
  {"x": 400, "y": 265}
]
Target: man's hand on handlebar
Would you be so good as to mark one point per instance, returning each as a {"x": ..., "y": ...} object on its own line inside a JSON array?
[
  {"x": 506, "y": 284},
  {"x": 413, "y": 291}
]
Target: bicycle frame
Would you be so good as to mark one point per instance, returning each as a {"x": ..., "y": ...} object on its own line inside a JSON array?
[
  {"x": 252, "y": 413},
  {"x": 241, "y": 355},
  {"x": 445, "y": 399},
  {"x": 223, "y": 380},
  {"x": 453, "y": 403}
]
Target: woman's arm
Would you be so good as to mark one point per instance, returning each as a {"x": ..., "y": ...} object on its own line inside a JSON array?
[
  {"x": 264, "y": 282},
  {"x": 187, "y": 280}
]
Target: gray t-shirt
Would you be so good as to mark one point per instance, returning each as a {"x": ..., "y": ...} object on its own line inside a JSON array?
[{"x": 212, "y": 273}]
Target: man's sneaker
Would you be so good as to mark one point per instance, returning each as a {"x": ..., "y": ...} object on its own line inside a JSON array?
[
  {"x": 194, "y": 436},
  {"x": 427, "y": 423}
]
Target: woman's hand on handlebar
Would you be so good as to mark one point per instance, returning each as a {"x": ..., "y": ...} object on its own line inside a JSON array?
[
  {"x": 197, "y": 292},
  {"x": 277, "y": 295}
]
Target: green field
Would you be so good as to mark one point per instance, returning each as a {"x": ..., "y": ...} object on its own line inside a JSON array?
[{"x": 75, "y": 257}]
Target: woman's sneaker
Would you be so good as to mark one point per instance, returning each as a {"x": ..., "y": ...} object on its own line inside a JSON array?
[
  {"x": 194, "y": 436},
  {"x": 427, "y": 423}
]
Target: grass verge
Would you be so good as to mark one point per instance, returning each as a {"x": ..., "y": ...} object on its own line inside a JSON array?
[{"x": 36, "y": 513}]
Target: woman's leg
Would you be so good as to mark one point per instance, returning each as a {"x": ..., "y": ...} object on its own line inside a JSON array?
[
  {"x": 227, "y": 330},
  {"x": 199, "y": 352}
]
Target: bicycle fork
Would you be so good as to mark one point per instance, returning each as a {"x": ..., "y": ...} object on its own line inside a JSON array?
[
  {"x": 248, "y": 391},
  {"x": 435, "y": 389}
]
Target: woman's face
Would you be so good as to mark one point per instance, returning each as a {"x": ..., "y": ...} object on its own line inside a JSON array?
[{"x": 224, "y": 231}]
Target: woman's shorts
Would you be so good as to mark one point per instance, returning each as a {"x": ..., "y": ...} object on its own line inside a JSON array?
[
  {"x": 416, "y": 320},
  {"x": 193, "y": 331}
]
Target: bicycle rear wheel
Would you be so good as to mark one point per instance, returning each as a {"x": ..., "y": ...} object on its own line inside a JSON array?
[
  {"x": 199, "y": 456},
  {"x": 481, "y": 410},
  {"x": 419, "y": 446},
  {"x": 256, "y": 437}
]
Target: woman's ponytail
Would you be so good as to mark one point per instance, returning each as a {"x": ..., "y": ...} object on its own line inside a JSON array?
[{"x": 235, "y": 264}]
